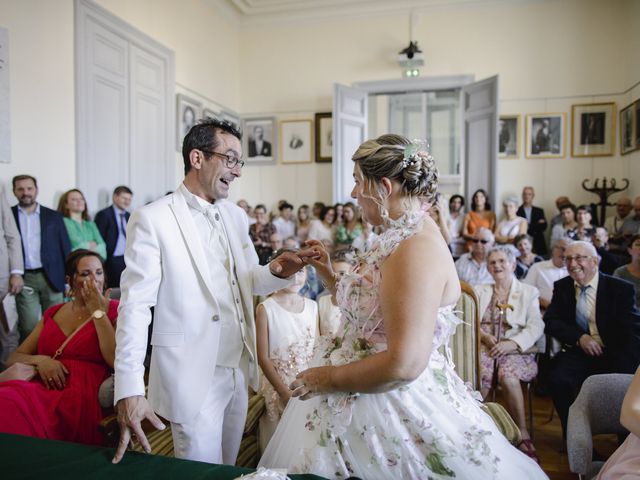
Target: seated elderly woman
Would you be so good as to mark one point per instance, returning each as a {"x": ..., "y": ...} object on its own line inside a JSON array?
[
  {"x": 505, "y": 338},
  {"x": 511, "y": 225},
  {"x": 61, "y": 401},
  {"x": 83, "y": 233},
  {"x": 526, "y": 257},
  {"x": 631, "y": 271}
]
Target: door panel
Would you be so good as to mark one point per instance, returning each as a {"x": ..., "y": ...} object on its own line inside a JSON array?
[
  {"x": 350, "y": 130},
  {"x": 480, "y": 113}
]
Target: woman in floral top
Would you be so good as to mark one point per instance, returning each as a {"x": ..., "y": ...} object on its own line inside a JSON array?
[
  {"x": 384, "y": 401},
  {"x": 350, "y": 229}
]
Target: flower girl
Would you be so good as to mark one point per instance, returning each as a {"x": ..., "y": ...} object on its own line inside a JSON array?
[{"x": 286, "y": 328}]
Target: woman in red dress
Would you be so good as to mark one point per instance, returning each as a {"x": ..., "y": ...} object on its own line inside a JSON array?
[{"x": 61, "y": 401}]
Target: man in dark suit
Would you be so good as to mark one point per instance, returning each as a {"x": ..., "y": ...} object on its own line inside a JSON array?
[
  {"x": 595, "y": 317},
  {"x": 536, "y": 220},
  {"x": 258, "y": 146},
  {"x": 45, "y": 246},
  {"x": 112, "y": 224}
]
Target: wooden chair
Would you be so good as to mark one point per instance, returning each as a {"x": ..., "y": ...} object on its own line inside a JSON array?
[
  {"x": 465, "y": 351},
  {"x": 465, "y": 342},
  {"x": 161, "y": 441}
]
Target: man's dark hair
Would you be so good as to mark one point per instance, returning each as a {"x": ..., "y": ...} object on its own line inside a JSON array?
[
  {"x": 18, "y": 178},
  {"x": 285, "y": 205},
  {"x": 204, "y": 134},
  {"x": 122, "y": 189}
]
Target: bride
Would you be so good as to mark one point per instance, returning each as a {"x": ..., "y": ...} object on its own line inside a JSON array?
[{"x": 384, "y": 403}]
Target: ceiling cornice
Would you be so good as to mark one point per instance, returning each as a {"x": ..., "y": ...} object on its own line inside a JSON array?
[{"x": 249, "y": 13}]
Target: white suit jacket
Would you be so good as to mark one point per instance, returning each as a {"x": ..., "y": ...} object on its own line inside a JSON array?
[
  {"x": 166, "y": 267},
  {"x": 525, "y": 319}
]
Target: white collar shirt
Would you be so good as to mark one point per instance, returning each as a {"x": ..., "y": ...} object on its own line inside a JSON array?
[
  {"x": 591, "y": 306},
  {"x": 215, "y": 243},
  {"x": 472, "y": 272},
  {"x": 31, "y": 237}
]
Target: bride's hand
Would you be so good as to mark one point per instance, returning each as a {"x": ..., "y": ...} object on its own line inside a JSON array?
[
  {"x": 315, "y": 253},
  {"x": 312, "y": 382}
]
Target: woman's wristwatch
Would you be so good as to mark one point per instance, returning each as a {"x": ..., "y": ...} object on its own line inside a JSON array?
[{"x": 98, "y": 314}]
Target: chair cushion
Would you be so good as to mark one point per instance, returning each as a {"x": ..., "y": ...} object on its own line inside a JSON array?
[
  {"x": 503, "y": 421},
  {"x": 248, "y": 455},
  {"x": 257, "y": 407}
]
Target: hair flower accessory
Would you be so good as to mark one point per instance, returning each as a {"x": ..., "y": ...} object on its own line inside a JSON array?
[{"x": 417, "y": 148}]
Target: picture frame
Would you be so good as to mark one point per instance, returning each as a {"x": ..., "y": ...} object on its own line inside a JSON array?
[
  {"x": 188, "y": 112},
  {"x": 207, "y": 112},
  {"x": 295, "y": 141},
  {"x": 545, "y": 137},
  {"x": 509, "y": 136},
  {"x": 636, "y": 113},
  {"x": 628, "y": 127},
  {"x": 230, "y": 117},
  {"x": 593, "y": 129},
  {"x": 259, "y": 140},
  {"x": 324, "y": 137}
]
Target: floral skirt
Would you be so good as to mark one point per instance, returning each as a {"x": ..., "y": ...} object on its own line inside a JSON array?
[{"x": 431, "y": 428}]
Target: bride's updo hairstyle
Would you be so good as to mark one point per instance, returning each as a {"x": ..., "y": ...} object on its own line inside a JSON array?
[{"x": 397, "y": 158}]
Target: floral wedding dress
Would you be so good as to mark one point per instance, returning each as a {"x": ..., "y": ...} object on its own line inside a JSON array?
[{"x": 432, "y": 428}]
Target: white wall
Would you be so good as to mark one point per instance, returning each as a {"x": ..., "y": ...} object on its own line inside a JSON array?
[
  {"x": 42, "y": 95},
  {"x": 41, "y": 37},
  {"x": 549, "y": 55}
]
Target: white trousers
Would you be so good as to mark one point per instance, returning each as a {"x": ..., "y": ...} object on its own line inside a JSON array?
[{"x": 214, "y": 435}]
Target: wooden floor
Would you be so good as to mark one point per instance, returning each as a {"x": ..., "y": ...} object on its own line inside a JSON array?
[{"x": 548, "y": 441}]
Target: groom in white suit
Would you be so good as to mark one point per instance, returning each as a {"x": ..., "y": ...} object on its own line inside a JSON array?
[{"x": 189, "y": 255}]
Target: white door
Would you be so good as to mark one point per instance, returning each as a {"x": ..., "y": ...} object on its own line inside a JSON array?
[
  {"x": 480, "y": 114},
  {"x": 103, "y": 120},
  {"x": 124, "y": 109},
  {"x": 350, "y": 130}
]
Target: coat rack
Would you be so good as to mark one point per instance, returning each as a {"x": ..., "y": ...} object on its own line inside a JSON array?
[{"x": 604, "y": 192}]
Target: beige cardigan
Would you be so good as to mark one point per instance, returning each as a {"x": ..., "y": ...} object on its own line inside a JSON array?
[{"x": 525, "y": 319}]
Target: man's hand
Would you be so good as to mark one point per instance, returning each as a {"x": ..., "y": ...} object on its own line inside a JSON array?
[
  {"x": 286, "y": 265},
  {"x": 16, "y": 283},
  {"x": 590, "y": 346},
  {"x": 131, "y": 411}
]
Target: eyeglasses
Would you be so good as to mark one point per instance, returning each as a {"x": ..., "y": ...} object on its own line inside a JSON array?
[
  {"x": 477, "y": 240},
  {"x": 577, "y": 258},
  {"x": 229, "y": 160}
]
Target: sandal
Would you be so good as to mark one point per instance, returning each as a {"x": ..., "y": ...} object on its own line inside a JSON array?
[{"x": 526, "y": 446}]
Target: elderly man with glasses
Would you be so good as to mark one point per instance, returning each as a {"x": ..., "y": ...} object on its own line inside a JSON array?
[
  {"x": 595, "y": 317},
  {"x": 189, "y": 255},
  {"x": 472, "y": 266}
]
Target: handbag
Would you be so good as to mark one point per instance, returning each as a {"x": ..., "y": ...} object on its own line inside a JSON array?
[
  {"x": 24, "y": 371},
  {"x": 18, "y": 371}
]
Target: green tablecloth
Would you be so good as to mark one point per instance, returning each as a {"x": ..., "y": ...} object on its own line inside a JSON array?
[{"x": 24, "y": 457}]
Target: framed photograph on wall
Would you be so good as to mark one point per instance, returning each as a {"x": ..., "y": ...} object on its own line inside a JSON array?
[
  {"x": 628, "y": 122},
  {"x": 188, "y": 112},
  {"x": 208, "y": 113},
  {"x": 636, "y": 115},
  {"x": 259, "y": 140},
  {"x": 230, "y": 117},
  {"x": 324, "y": 137},
  {"x": 509, "y": 136},
  {"x": 545, "y": 135},
  {"x": 593, "y": 129},
  {"x": 295, "y": 141}
]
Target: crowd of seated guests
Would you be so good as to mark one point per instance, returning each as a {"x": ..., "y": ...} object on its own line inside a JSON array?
[
  {"x": 599, "y": 333},
  {"x": 505, "y": 261}
]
